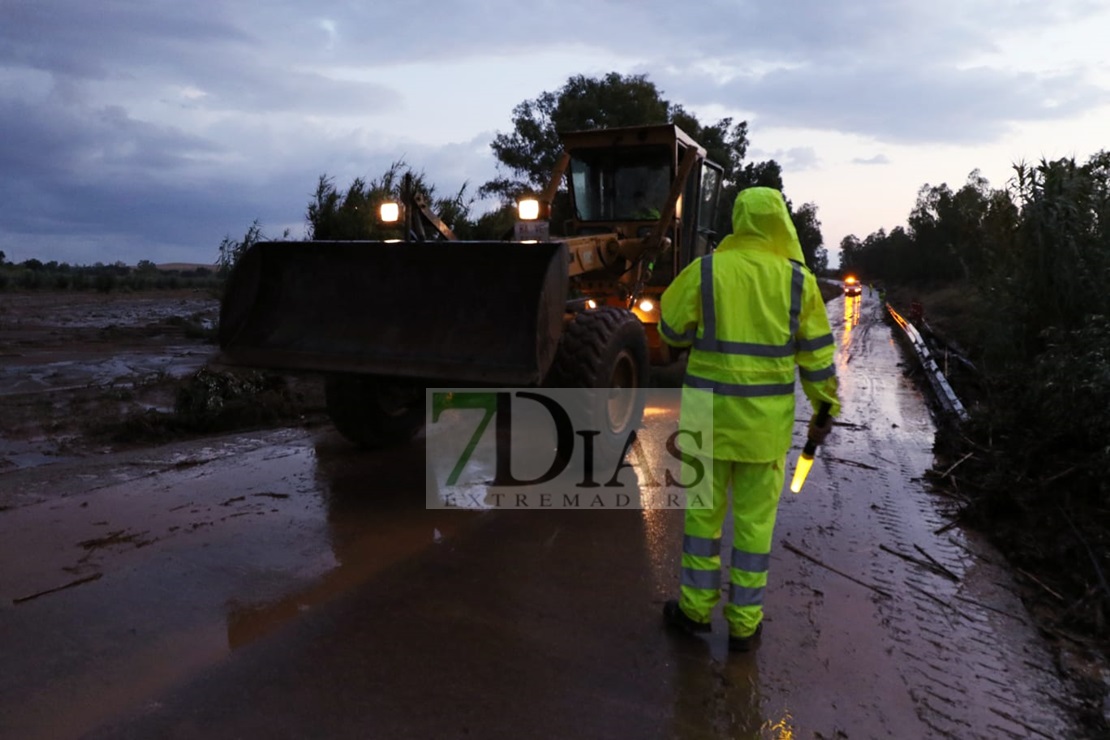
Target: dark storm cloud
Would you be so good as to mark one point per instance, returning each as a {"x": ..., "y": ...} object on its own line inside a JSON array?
[
  {"x": 133, "y": 128},
  {"x": 900, "y": 72},
  {"x": 90, "y": 39},
  {"x": 903, "y": 104},
  {"x": 116, "y": 140}
]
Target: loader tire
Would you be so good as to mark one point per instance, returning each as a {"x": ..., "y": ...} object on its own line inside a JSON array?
[
  {"x": 605, "y": 349},
  {"x": 372, "y": 411}
]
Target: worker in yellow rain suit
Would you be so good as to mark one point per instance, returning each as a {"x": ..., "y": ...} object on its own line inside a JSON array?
[{"x": 750, "y": 312}]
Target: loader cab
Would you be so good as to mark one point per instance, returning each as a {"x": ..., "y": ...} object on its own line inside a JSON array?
[
  {"x": 619, "y": 181},
  {"x": 619, "y": 187}
]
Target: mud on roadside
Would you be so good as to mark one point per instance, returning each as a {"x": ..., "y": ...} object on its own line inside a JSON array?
[
  {"x": 87, "y": 373},
  {"x": 1046, "y": 549}
]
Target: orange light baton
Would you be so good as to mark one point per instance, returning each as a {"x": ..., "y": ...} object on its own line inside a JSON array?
[{"x": 805, "y": 462}]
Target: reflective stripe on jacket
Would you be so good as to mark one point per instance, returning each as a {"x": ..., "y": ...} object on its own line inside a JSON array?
[{"x": 751, "y": 312}]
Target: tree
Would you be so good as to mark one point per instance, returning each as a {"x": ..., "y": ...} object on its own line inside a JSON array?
[
  {"x": 850, "y": 253},
  {"x": 529, "y": 153},
  {"x": 809, "y": 234},
  {"x": 353, "y": 215},
  {"x": 531, "y": 150},
  {"x": 232, "y": 249}
]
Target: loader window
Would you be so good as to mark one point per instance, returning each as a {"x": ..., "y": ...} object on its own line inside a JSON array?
[
  {"x": 627, "y": 184},
  {"x": 710, "y": 193}
]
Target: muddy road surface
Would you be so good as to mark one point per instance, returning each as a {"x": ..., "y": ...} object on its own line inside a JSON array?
[{"x": 280, "y": 584}]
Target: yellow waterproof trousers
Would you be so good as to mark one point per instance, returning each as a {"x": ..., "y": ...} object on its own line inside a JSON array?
[{"x": 756, "y": 488}]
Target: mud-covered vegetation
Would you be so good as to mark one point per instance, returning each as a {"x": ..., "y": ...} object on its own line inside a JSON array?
[
  {"x": 212, "y": 401},
  {"x": 1014, "y": 282}
]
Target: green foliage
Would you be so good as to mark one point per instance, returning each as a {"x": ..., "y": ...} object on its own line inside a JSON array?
[
  {"x": 949, "y": 236},
  {"x": 496, "y": 225},
  {"x": 353, "y": 215},
  {"x": 809, "y": 234},
  {"x": 232, "y": 249},
  {"x": 33, "y": 274},
  {"x": 1038, "y": 255},
  {"x": 1063, "y": 246},
  {"x": 529, "y": 153}
]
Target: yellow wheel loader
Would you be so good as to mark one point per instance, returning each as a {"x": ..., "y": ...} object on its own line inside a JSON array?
[{"x": 384, "y": 320}]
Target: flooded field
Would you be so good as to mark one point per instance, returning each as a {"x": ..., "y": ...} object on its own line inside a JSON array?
[{"x": 70, "y": 362}]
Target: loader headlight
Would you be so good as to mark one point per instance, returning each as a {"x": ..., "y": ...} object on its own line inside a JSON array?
[
  {"x": 647, "y": 305},
  {"x": 390, "y": 213},
  {"x": 591, "y": 303},
  {"x": 528, "y": 209}
]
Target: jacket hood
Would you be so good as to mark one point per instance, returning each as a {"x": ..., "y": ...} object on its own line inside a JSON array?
[{"x": 761, "y": 221}]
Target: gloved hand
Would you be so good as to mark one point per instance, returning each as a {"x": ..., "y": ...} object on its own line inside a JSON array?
[{"x": 818, "y": 434}]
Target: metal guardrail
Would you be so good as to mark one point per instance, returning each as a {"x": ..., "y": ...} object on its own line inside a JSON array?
[{"x": 941, "y": 388}]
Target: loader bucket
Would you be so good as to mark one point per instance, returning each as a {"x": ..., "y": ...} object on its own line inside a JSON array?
[{"x": 486, "y": 313}]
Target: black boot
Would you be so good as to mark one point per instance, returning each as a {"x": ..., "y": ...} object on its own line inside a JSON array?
[
  {"x": 677, "y": 620},
  {"x": 745, "y": 644}
]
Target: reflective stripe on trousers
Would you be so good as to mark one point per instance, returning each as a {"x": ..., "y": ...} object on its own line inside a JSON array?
[{"x": 756, "y": 488}]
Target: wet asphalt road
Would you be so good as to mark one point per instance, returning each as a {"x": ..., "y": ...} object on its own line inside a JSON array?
[{"x": 283, "y": 585}]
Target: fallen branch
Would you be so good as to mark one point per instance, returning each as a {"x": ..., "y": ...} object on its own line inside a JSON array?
[
  {"x": 1059, "y": 475},
  {"x": 1082, "y": 642},
  {"x": 991, "y": 608},
  {"x": 117, "y": 538},
  {"x": 947, "y": 527},
  {"x": 921, "y": 563},
  {"x": 952, "y": 467},
  {"x": 1037, "y": 581},
  {"x": 971, "y": 552},
  {"x": 939, "y": 566},
  {"x": 975, "y": 444},
  {"x": 954, "y": 495},
  {"x": 71, "y": 584},
  {"x": 826, "y": 566},
  {"x": 1076, "y": 604},
  {"x": 865, "y": 466},
  {"x": 1087, "y": 547},
  {"x": 937, "y": 599}
]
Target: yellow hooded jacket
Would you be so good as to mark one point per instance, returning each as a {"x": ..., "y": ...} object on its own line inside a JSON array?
[{"x": 750, "y": 312}]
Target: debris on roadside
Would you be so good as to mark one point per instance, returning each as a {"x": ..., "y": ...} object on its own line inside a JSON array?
[
  {"x": 71, "y": 584},
  {"x": 212, "y": 401}
]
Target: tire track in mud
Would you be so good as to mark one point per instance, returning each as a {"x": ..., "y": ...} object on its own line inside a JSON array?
[{"x": 962, "y": 660}]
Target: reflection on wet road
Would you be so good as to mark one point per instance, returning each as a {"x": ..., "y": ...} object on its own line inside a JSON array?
[
  {"x": 194, "y": 552},
  {"x": 284, "y": 585}
]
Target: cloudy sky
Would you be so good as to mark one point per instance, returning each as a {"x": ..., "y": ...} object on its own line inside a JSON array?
[{"x": 149, "y": 129}]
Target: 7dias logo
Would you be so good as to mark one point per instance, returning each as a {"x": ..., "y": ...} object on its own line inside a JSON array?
[{"x": 565, "y": 448}]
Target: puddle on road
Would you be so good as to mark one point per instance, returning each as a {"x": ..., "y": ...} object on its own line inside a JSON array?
[
  {"x": 16, "y": 454},
  {"x": 226, "y": 543}
]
